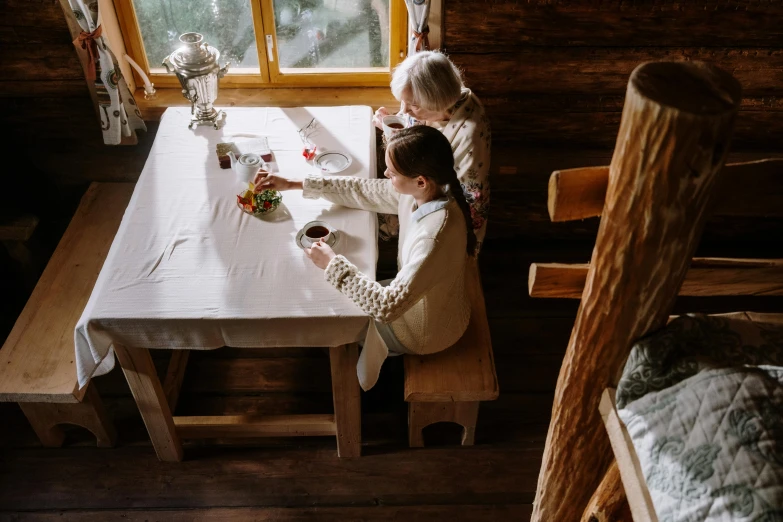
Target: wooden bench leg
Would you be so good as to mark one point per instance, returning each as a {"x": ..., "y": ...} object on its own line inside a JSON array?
[
  {"x": 347, "y": 399},
  {"x": 422, "y": 414},
  {"x": 41, "y": 417},
  {"x": 96, "y": 419},
  {"x": 89, "y": 414}
]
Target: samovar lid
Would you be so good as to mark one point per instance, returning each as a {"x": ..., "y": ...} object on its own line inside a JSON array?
[{"x": 195, "y": 55}]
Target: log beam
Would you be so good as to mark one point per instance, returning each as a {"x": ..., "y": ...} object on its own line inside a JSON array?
[
  {"x": 754, "y": 188},
  {"x": 707, "y": 277},
  {"x": 656, "y": 206}
]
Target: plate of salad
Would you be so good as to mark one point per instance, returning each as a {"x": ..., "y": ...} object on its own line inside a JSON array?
[{"x": 264, "y": 202}]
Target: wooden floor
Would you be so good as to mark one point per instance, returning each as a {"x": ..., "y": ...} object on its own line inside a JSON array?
[{"x": 285, "y": 479}]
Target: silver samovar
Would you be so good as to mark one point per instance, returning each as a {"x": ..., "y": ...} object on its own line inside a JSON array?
[{"x": 196, "y": 66}]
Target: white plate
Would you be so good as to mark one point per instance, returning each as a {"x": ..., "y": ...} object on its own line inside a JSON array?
[
  {"x": 332, "y": 162},
  {"x": 331, "y": 242}
]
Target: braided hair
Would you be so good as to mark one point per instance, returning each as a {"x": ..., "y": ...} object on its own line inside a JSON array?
[{"x": 424, "y": 151}]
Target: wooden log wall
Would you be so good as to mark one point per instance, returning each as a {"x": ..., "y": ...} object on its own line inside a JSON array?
[
  {"x": 47, "y": 110},
  {"x": 552, "y": 76}
]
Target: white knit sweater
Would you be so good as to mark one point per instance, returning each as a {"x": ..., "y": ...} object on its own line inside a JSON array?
[{"x": 426, "y": 304}]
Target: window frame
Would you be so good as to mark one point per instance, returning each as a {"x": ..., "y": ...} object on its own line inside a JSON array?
[{"x": 270, "y": 74}]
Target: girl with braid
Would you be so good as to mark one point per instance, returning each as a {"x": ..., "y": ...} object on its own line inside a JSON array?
[
  {"x": 431, "y": 92},
  {"x": 425, "y": 308}
]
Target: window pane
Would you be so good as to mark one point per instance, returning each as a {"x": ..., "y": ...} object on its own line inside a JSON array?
[
  {"x": 346, "y": 34},
  {"x": 226, "y": 25}
]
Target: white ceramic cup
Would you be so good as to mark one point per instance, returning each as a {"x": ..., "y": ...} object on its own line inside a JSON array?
[
  {"x": 388, "y": 121},
  {"x": 312, "y": 234}
]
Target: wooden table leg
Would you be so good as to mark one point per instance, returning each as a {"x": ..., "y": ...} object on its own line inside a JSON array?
[
  {"x": 347, "y": 399},
  {"x": 154, "y": 407},
  {"x": 175, "y": 374}
]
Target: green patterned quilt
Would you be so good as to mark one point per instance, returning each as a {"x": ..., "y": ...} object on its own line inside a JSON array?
[{"x": 702, "y": 400}]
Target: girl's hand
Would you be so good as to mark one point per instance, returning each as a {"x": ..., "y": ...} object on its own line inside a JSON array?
[
  {"x": 377, "y": 118},
  {"x": 320, "y": 254},
  {"x": 267, "y": 181}
]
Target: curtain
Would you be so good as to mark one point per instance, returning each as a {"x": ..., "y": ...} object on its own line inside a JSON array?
[
  {"x": 419, "y": 14},
  {"x": 120, "y": 116}
]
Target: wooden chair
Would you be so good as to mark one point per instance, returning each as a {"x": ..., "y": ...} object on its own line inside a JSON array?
[
  {"x": 37, "y": 360},
  {"x": 448, "y": 386}
]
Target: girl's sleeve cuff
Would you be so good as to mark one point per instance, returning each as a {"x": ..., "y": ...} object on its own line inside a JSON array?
[
  {"x": 313, "y": 186},
  {"x": 337, "y": 270}
]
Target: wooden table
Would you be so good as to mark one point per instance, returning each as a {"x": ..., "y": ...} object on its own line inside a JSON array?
[{"x": 188, "y": 270}]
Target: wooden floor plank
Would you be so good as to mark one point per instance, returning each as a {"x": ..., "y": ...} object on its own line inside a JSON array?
[
  {"x": 133, "y": 478},
  {"x": 471, "y": 513}
]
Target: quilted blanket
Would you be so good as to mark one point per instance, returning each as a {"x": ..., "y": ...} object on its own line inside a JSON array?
[{"x": 703, "y": 403}]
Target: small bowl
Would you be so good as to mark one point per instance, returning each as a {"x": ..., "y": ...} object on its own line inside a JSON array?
[{"x": 265, "y": 202}]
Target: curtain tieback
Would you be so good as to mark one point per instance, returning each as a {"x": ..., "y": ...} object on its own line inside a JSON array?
[
  {"x": 422, "y": 40},
  {"x": 87, "y": 41}
]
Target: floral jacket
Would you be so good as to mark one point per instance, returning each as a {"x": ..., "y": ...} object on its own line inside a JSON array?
[{"x": 469, "y": 133}]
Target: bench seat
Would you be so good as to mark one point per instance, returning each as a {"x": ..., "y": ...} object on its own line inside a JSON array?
[
  {"x": 448, "y": 386},
  {"x": 37, "y": 367}
]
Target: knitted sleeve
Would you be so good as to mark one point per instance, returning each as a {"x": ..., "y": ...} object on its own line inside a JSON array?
[
  {"x": 387, "y": 303},
  {"x": 375, "y": 195}
]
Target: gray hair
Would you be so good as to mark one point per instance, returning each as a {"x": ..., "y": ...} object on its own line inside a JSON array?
[{"x": 435, "y": 82}]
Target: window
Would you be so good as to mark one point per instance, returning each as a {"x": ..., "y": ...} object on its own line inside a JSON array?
[{"x": 273, "y": 42}]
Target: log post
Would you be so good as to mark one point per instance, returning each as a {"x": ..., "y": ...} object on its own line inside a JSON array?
[
  {"x": 674, "y": 134},
  {"x": 608, "y": 503}
]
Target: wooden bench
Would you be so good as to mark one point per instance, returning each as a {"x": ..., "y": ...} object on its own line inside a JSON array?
[
  {"x": 448, "y": 386},
  {"x": 37, "y": 367}
]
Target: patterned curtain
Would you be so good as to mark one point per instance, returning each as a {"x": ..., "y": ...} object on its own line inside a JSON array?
[
  {"x": 118, "y": 111},
  {"x": 419, "y": 14}
]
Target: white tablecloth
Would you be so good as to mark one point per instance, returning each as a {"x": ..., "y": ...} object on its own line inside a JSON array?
[{"x": 189, "y": 270}]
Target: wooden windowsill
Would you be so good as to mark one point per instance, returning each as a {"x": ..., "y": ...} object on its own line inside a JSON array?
[{"x": 375, "y": 97}]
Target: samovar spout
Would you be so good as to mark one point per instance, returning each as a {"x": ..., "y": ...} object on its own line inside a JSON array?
[{"x": 168, "y": 65}]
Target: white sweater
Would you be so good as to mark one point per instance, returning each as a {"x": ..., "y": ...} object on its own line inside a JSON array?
[{"x": 426, "y": 304}]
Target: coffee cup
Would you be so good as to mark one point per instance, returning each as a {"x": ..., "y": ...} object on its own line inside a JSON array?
[
  {"x": 392, "y": 124},
  {"x": 315, "y": 231}
]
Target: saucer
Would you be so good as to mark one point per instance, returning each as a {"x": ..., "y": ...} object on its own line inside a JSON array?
[
  {"x": 332, "y": 162},
  {"x": 331, "y": 242}
]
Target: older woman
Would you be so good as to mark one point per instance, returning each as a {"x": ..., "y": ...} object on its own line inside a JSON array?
[{"x": 430, "y": 90}]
